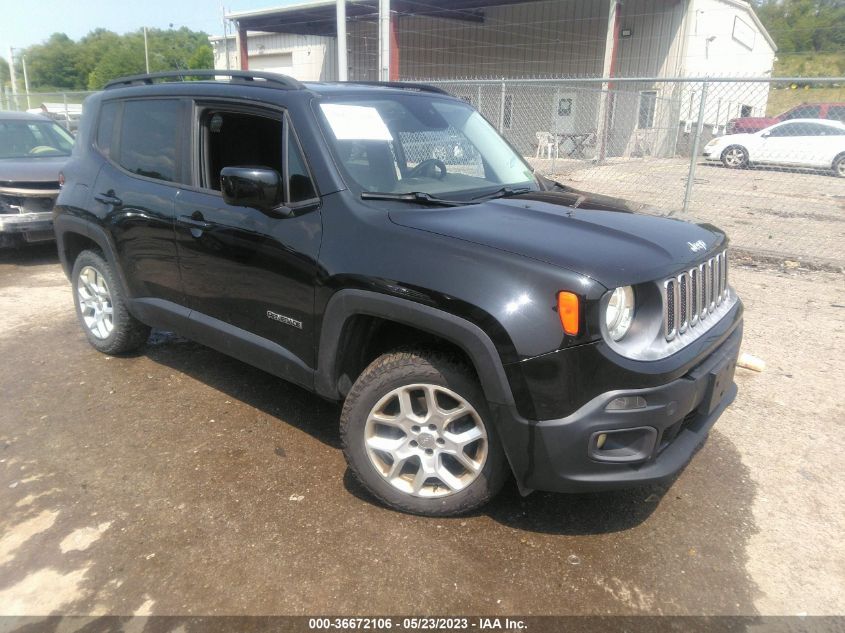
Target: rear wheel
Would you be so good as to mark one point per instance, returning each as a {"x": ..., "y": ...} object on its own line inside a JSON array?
[
  {"x": 735, "y": 157},
  {"x": 417, "y": 434},
  {"x": 101, "y": 307}
]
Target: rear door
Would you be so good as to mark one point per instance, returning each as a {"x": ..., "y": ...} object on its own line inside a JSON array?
[
  {"x": 248, "y": 273},
  {"x": 136, "y": 187}
]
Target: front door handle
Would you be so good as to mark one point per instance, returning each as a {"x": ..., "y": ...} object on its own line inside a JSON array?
[{"x": 108, "y": 198}]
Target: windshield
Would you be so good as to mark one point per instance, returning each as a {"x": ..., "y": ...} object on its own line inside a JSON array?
[
  {"x": 415, "y": 143},
  {"x": 33, "y": 139}
]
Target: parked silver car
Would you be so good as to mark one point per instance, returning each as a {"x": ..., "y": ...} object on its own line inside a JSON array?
[{"x": 33, "y": 150}]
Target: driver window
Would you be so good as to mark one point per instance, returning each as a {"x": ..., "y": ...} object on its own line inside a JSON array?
[
  {"x": 784, "y": 130},
  {"x": 239, "y": 139}
]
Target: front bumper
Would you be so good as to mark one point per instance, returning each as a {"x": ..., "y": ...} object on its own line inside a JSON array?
[
  {"x": 561, "y": 455},
  {"x": 712, "y": 153},
  {"x": 33, "y": 227}
]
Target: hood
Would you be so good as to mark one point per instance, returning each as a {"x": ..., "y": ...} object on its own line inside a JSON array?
[
  {"x": 615, "y": 248},
  {"x": 767, "y": 120},
  {"x": 18, "y": 172},
  {"x": 728, "y": 139}
]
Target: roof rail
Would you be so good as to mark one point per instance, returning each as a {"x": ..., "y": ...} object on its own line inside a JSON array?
[
  {"x": 402, "y": 84},
  {"x": 271, "y": 80}
]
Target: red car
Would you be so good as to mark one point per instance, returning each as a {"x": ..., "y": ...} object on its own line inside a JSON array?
[{"x": 751, "y": 124}]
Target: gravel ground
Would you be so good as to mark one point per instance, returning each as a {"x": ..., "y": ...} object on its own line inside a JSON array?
[{"x": 179, "y": 481}]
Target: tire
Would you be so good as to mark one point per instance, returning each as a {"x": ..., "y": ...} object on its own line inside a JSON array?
[
  {"x": 839, "y": 166},
  {"x": 101, "y": 307},
  {"x": 735, "y": 157},
  {"x": 446, "y": 472}
]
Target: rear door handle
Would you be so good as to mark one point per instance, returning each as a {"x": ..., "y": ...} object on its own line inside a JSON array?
[
  {"x": 195, "y": 222},
  {"x": 108, "y": 198}
]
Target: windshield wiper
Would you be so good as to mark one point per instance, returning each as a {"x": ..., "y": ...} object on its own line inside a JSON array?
[
  {"x": 504, "y": 192},
  {"x": 418, "y": 197}
]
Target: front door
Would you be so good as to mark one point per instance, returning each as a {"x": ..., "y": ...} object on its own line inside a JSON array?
[
  {"x": 248, "y": 273},
  {"x": 782, "y": 144}
]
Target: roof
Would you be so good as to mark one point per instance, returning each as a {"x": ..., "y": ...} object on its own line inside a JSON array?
[
  {"x": 8, "y": 115},
  {"x": 161, "y": 82},
  {"x": 742, "y": 4},
  {"x": 317, "y": 17},
  {"x": 830, "y": 122}
]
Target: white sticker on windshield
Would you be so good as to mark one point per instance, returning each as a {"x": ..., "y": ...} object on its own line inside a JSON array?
[{"x": 356, "y": 123}]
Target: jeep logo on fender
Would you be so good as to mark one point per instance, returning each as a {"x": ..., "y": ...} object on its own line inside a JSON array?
[
  {"x": 697, "y": 245},
  {"x": 281, "y": 318}
]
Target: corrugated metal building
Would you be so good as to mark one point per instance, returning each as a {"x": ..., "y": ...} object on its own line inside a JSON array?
[{"x": 454, "y": 39}]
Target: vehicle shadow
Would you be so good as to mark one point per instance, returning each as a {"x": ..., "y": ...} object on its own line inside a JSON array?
[
  {"x": 541, "y": 512},
  {"x": 267, "y": 393},
  {"x": 556, "y": 514},
  {"x": 30, "y": 254},
  {"x": 809, "y": 171}
]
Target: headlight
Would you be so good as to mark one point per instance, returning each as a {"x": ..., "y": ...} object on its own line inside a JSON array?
[
  {"x": 713, "y": 142},
  {"x": 620, "y": 312}
]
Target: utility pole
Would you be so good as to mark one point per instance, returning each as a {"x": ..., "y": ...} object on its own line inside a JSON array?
[
  {"x": 384, "y": 40},
  {"x": 12, "y": 77},
  {"x": 25, "y": 81},
  {"x": 225, "y": 34},
  {"x": 342, "y": 64},
  {"x": 146, "y": 51}
]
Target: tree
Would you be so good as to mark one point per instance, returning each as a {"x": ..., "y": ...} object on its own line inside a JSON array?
[
  {"x": 97, "y": 45},
  {"x": 125, "y": 58},
  {"x": 103, "y": 55},
  {"x": 54, "y": 63},
  {"x": 804, "y": 25}
]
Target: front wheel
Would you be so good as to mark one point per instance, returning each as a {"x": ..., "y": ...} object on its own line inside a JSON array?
[
  {"x": 417, "y": 434},
  {"x": 735, "y": 157}
]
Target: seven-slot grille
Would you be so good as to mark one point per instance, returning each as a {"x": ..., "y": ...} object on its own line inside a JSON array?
[{"x": 691, "y": 296}]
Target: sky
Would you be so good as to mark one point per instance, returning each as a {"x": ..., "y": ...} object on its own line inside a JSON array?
[{"x": 27, "y": 22}]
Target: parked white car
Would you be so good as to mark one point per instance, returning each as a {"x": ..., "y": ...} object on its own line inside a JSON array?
[{"x": 813, "y": 143}]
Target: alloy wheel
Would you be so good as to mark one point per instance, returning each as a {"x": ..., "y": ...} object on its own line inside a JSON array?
[
  {"x": 735, "y": 157},
  {"x": 426, "y": 440},
  {"x": 95, "y": 302}
]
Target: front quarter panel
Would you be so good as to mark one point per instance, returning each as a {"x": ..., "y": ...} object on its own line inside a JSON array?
[{"x": 513, "y": 299}]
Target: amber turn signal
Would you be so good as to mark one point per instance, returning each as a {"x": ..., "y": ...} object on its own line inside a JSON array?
[{"x": 568, "y": 307}]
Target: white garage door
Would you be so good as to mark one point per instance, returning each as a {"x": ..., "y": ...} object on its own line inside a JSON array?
[{"x": 275, "y": 63}]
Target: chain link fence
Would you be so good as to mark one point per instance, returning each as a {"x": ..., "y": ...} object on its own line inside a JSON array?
[
  {"x": 63, "y": 107},
  {"x": 762, "y": 159}
]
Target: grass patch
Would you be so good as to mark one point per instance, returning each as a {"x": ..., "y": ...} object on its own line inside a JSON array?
[{"x": 783, "y": 98}]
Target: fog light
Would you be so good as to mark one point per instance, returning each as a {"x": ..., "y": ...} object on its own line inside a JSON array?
[
  {"x": 624, "y": 403},
  {"x": 600, "y": 440}
]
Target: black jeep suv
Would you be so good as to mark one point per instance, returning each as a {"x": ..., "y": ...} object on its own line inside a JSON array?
[{"x": 475, "y": 319}]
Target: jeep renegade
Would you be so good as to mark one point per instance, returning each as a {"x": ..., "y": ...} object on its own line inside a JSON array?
[{"x": 383, "y": 246}]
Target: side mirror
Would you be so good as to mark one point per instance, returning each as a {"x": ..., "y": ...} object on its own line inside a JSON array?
[
  {"x": 765, "y": 135},
  {"x": 257, "y": 187}
]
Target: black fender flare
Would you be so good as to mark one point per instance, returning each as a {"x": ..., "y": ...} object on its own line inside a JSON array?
[
  {"x": 346, "y": 304},
  {"x": 64, "y": 224}
]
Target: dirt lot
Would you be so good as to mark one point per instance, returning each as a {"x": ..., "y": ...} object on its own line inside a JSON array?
[
  {"x": 179, "y": 481},
  {"x": 798, "y": 215}
]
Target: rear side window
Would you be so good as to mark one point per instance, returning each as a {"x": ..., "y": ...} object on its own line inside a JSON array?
[
  {"x": 149, "y": 138},
  {"x": 836, "y": 112},
  {"x": 105, "y": 127},
  {"x": 804, "y": 112}
]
